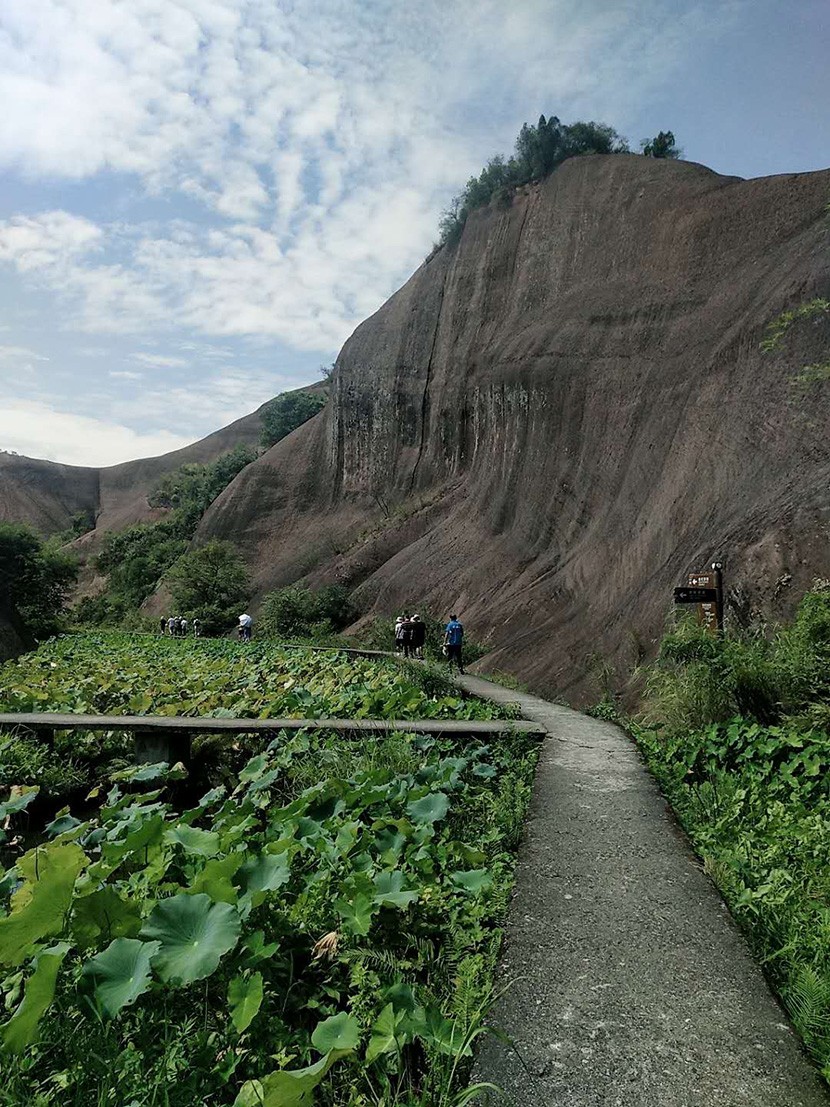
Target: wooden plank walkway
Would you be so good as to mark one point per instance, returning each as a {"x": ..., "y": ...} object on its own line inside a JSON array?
[{"x": 168, "y": 737}]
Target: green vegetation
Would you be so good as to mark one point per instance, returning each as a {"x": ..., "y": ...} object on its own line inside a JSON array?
[
  {"x": 136, "y": 559},
  {"x": 287, "y": 412},
  {"x": 139, "y": 674},
  {"x": 778, "y": 331},
  {"x": 191, "y": 489},
  {"x": 662, "y": 145},
  {"x": 737, "y": 731},
  {"x": 35, "y": 579},
  {"x": 539, "y": 150},
  {"x": 210, "y": 584},
  {"x": 297, "y": 612},
  {"x": 326, "y": 925}
]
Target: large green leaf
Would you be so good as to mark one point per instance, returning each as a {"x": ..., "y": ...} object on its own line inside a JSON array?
[
  {"x": 104, "y": 914},
  {"x": 245, "y": 1000},
  {"x": 194, "y": 934},
  {"x": 356, "y": 913},
  {"x": 204, "y": 843},
  {"x": 215, "y": 878},
  {"x": 121, "y": 973},
  {"x": 39, "y": 906},
  {"x": 285, "y": 1088},
  {"x": 21, "y": 1029},
  {"x": 429, "y": 809},
  {"x": 474, "y": 880},
  {"x": 339, "y": 1032},
  {"x": 266, "y": 873},
  {"x": 389, "y": 890},
  {"x": 387, "y": 1036}
]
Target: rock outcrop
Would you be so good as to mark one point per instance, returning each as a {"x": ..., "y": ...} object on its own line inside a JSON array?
[{"x": 551, "y": 422}]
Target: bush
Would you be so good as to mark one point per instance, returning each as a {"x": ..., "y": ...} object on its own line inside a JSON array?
[
  {"x": 287, "y": 412},
  {"x": 297, "y": 612}
]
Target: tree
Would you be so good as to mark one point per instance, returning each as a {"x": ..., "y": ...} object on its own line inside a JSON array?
[
  {"x": 297, "y": 612},
  {"x": 287, "y": 412},
  {"x": 35, "y": 579},
  {"x": 210, "y": 584},
  {"x": 661, "y": 146}
]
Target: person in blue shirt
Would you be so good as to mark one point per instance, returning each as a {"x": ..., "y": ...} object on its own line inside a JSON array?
[{"x": 453, "y": 641}]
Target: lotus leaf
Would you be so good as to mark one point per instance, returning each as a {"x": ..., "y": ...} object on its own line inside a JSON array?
[
  {"x": 39, "y": 906},
  {"x": 121, "y": 973},
  {"x": 429, "y": 809},
  {"x": 194, "y": 933},
  {"x": 339, "y": 1032},
  {"x": 204, "y": 843},
  {"x": 474, "y": 880},
  {"x": 389, "y": 890},
  {"x": 104, "y": 913},
  {"x": 21, "y": 1029},
  {"x": 356, "y": 914}
]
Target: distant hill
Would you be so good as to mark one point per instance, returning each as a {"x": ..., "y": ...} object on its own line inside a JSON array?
[{"x": 47, "y": 496}]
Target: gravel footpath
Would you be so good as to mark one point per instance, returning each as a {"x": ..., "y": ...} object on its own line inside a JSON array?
[{"x": 628, "y": 983}]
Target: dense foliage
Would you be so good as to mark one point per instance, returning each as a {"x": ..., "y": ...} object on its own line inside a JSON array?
[
  {"x": 122, "y": 674},
  {"x": 329, "y": 921},
  {"x": 211, "y": 584},
  {"x": 663, "y": 145},
  {"x": 297, "y": 612},
  {"x": 738, "y": 733},
  {"x": 135, "y": 560},
  {"x": 193, "y": 488},
  {"x": 539, "y": 150},
  {"x": 35, "y": 579},
  {"x": 287, "y": 412}
]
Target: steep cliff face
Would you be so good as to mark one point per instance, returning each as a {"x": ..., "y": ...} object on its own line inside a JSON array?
[{"x": 552, "y": 421}]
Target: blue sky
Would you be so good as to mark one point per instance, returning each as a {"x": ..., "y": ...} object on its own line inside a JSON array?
[{"x": 200, "y": 199}]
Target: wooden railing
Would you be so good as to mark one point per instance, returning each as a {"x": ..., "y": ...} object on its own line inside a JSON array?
[{"x": 168, "y": 737}]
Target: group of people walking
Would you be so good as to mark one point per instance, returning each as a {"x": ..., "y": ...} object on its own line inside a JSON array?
[
  {"x": 177, "y": 626},
  {"x": 410, "y": 638}
]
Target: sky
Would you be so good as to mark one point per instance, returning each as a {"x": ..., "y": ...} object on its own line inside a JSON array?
[{"x": 201, "y": 199}]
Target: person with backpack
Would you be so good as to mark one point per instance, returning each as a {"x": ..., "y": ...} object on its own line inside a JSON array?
[
  {"x": 453, "y": 642},
  {"x": 419, "y": 635},
  {"x": 407, "y": 635},
  {"x": 245, "y": 624},
  {"x": 399, "y": 622}
]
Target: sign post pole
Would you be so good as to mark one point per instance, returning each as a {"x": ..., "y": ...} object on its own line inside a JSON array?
[{"x": 705, "y": 591}]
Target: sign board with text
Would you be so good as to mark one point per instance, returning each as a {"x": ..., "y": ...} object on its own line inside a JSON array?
[{"x": 705, "y": 591}]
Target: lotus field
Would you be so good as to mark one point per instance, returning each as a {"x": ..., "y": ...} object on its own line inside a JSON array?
[{"x": 312, "y": 920}]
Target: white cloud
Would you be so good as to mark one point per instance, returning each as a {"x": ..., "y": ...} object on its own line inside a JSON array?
[
  {"x": 20, "y": 353},
  {"x": 38, "y": 430},
  {"x": 330, "y": 134},
  {"x": 161, "y": 361},
  {"x": 125, "y": 375}
]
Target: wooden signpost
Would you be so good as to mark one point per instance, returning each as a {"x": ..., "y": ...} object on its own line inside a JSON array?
[{"x": 705, "y": 591}]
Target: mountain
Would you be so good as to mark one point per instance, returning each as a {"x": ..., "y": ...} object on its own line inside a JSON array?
[
  {"x": 553, "y": 421},
  {"x": 47, "y": 496},
  {"x": 550, "y": 423}
]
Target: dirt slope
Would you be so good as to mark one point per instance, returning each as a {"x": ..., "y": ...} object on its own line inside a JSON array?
[
  {"x": 47, "y": 495},
  {"x": 548, "y": 424}
]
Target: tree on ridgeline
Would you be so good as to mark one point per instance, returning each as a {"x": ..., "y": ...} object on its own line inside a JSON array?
[
  {"x": 539, "y": 149},
  {"x": 662, "y": 145},
  {"x": 287, "y": 412}
]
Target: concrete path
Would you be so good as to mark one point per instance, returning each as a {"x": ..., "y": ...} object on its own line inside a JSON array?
[{"x": 631, "y": 985}]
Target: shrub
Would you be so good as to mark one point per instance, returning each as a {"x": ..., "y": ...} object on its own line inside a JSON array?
[
  {"x": 35, "y": 578},
  {"x": 297, "y": 612},
  {"x": 210, "y": 584},
  {"x": 287, "y": 412}
]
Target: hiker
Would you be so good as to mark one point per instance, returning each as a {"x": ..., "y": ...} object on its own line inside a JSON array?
[
  {"x": 407, "y": 635},
  {"x": 163, "y": 624},
  {"x": 399, "y": 632},
  {"x": 184, "y": 627},
  {"x": 197, "y": 628},
  {"x": 245, "y": 623},
  {"x": 419, "y": 635},
  {"x": 171, "y": 626},
  {"x": 453, "y": 640}
]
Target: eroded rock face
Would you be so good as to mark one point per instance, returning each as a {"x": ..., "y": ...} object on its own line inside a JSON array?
[{"x": 547, "y": 425}]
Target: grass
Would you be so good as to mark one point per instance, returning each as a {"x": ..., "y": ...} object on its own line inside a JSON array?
[{"x": 735, "y": 728}]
